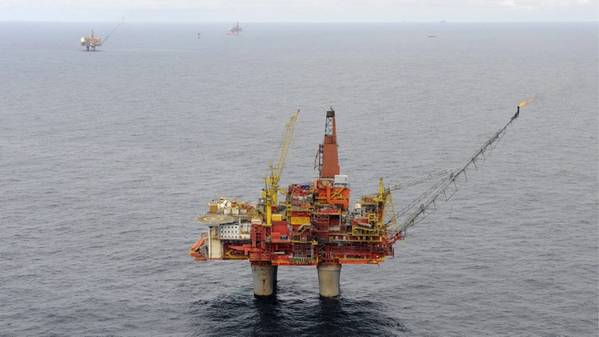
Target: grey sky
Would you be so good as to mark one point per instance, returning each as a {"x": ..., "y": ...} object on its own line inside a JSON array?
[{"x": 299, "y": 10}]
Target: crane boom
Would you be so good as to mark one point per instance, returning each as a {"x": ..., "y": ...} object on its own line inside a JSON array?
[
  {"x": 277, "y": 169},
  {"x": 447, "y": 185},
  {"x": 271, "y": 190}
]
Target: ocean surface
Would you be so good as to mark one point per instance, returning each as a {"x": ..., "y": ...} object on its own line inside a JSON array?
[{"x": 107, "y": 157}]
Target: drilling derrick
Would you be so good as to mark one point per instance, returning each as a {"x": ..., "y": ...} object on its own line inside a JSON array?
[
  {"x": 328, "y": 158},
  {"x": 312, "y": 223}
]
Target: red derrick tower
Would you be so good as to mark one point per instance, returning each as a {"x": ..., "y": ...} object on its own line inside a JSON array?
[{"x": 327, "y": 151}]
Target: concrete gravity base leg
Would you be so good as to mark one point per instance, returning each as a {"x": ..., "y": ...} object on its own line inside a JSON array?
[
  {"x": 264, "y": 276},
  {"x": 328, "y": 279}
]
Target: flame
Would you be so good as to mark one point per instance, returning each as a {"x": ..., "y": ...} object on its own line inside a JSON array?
[{"x": 526, "y": 102}]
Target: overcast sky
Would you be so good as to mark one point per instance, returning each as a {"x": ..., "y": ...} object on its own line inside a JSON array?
[{"x": 299, "y": 10}]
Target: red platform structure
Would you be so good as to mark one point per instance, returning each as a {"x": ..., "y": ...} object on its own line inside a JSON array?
[{"x": 314, "y": 223}]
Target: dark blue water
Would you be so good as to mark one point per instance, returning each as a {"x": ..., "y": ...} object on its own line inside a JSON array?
[{"x": 105, "y": 159}]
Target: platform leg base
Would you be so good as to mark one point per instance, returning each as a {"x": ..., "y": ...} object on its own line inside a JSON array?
[
  {"x": 264, "y": 277},
  {"x": 328, "y": 279}
]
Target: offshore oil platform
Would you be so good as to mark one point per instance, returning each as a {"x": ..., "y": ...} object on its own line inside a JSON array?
[
  {"x": 313, "y": 223},
  {"x": 92, "y": 41},
  {"x": 235, "y": 30}
]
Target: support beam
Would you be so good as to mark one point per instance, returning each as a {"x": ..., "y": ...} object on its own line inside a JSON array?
[
  {"x": 328, "y": 279},
  {"x": 264, "y": 276}
]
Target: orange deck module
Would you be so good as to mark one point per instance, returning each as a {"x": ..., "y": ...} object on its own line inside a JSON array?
[{"x": 314, "y": 223}]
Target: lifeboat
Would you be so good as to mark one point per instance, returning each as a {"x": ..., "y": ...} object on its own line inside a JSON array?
[{"x": 196, "y": 250}]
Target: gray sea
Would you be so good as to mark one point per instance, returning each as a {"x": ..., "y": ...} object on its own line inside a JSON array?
[{"x": 107, "y": 157}]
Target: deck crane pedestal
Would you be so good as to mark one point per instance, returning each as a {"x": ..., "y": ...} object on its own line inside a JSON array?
[{"x": 313, "y": 223}]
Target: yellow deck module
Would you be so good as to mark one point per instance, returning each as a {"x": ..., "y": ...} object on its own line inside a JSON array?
[
  {"x": 300, "y": 220},
  {"x": 277, "y": 217}
]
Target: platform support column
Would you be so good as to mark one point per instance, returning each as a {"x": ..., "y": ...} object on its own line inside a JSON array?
[
  {"x": 328, "y": 279},
  {"x": 264, "y": 276}
]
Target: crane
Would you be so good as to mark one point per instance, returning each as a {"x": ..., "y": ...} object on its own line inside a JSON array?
[
  {"x": 271, "y": 182},
  {"x": 385, "y": 197}
]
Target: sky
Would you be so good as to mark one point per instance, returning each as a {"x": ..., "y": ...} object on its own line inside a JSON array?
[{"x": 299, "y": 10}]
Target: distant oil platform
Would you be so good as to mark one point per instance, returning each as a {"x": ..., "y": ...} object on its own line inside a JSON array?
[
  {"x": 92, "y": 41},
  {"x": 314, "y": 224},
  {"x": 235, "y": 30}
]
